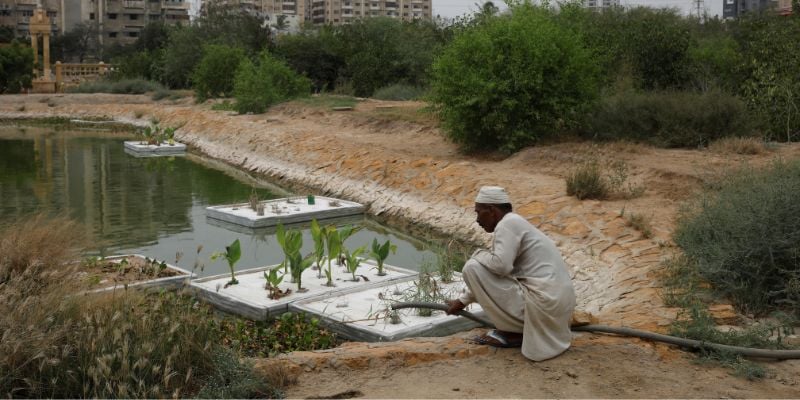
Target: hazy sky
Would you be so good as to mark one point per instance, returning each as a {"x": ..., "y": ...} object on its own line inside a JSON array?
[{"x": 454, "y": 8}]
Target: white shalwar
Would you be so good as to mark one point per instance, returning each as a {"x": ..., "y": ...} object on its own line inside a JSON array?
[{"x": 523, "y": 285}]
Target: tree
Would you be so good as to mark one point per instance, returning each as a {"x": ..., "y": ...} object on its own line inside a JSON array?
[
  {"x": 16, "y": 67},
  {"x": 78, "y": 44},
  {"x": 513, "y": 80},
  {"x": 265, "y": 82},
  {"x": 213, "y": 77}
]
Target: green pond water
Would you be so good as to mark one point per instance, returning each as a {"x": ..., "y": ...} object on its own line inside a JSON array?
[{"x": 150, "y": 206}]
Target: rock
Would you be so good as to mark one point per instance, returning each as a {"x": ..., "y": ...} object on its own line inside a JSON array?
[
  {"x": 581, "y": 318},
  {"x": 724, "y": 314},
  {"x": 571, "y": 374}
]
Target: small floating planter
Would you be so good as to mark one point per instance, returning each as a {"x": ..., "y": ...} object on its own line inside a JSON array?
[
  {"x": 132, "y": 270},
  {"x": 254, "y": 297},
  {"x": 156, "y": 141},
  {"x": 285, "y": 211},
  {"x": 155, "y": 149},
  {"x": 365, "y": 315}
]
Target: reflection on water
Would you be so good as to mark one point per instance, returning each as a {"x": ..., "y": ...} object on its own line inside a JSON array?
[{"x": 152, "y": 206}]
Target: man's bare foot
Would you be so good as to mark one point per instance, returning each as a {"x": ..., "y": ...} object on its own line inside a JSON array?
[{"x": 498, "y": 338}]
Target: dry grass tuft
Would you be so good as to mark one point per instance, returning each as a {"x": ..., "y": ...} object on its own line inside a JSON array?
[
  {"x": 738, "y": 145},
  {"x": 38, "y": 244},
  {"x": 59, "y": 343}
]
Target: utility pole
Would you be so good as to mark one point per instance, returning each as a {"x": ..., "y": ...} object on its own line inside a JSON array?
[{"x": 700, "y": 9}]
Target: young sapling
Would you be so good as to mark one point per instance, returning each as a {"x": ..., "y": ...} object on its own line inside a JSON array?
[
  {"x": 380, "y": 252},
  {"x": 232, "y": 254},
  {"x": 273, "y": 280},
  {"x": 352, "y": 261},
  {"x": 318, "y": 234},
  {"x": 298, "y": 264},
  {"x": 334, "y": 244}
]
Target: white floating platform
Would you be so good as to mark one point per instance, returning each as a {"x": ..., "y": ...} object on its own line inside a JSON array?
[
  {"x": 365, "y": 315},
  {"x": 269, "y": 230},
  {"x": 182, "y": 278},
  {"x": 285, "y": 211},
  {"x": 249, "y": 298},
  {"x": 161, "y": 150}
]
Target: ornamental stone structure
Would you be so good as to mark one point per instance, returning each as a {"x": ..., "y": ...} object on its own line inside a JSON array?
[{"x": 40, "y": 27}]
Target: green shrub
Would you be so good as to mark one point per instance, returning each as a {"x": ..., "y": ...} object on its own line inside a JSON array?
[
  {"x": 512, "y": 80},
  {"x": 213, "y": 77},
  {"x": 16, "y": 64},
  {"x": 668, "y": 119},
  {"x": 266, "y": 82},
  {"x": 124, "y": 86},
  {"x": 771, "y": 71},
  {"x": 399, "y": 92},
  {"x": 140, "y": 65},
  {"x": 587, "y": 182},
  {"x": 743, "y": 240}
]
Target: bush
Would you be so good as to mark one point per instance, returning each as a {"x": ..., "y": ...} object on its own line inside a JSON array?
[
  {"x": 399, "y": 92},
  {"x": 213, "y": 77},
  {"x": 316, "y": 54},
  {"x": 16, "y": 64},
  {"x": 668, "y": 119},
  {"x": 511, "y": 81},
  {"x": 743, "y": 238},
  {"x": 124, "y": 86},
  {"x": 269, "y": 81}
]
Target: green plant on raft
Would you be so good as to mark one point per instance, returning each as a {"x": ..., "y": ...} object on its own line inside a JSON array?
[
  {"x": 273, "y": 280},
  {"x": 232, "y": 254},
  {"x": 380, "y": 252},
  {"x": 334, "y": 244},
  {"x": 352, "y": 261},
  {"x": 298, "y": 264},
  {"x": 344, "y": 234},
  {"x": 318, "y": 234},
  {"x": 291, "y": 242}
]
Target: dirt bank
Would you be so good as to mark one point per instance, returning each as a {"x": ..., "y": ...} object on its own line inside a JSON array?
[{"x": 394, "y": 159}]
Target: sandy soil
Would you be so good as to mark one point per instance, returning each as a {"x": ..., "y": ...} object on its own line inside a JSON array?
[{"x": 393, "y": 158}]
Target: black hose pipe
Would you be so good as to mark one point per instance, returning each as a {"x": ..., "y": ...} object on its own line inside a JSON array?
[{"x": 682, "y": 342}]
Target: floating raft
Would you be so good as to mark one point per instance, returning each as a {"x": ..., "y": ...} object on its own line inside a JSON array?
[
  {"x": 285, "y": 211},
  {"x": 153, "y": 150},
  {"x": 170, "y": 282},
  {"x": 365, "y": 315},
  {"x": 249, "y": 298}
]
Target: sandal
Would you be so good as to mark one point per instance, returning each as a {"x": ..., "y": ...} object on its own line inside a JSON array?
[{"x": 496, "y": 339}]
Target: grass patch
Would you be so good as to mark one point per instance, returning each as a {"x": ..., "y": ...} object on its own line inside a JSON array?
[
  {"x": 639, "y": 222},
  {"x": 399, "y": 92},
  {"x": 327, "y": 101},
  {"x": 225, "y": 105},
  {"x": 123, "y": 86},
  {"x": 64, "y": 123},
  {"x": 592, "y": 181},
  {"x": 587, "y": 182},
  {"x": 738, "y": 145}
]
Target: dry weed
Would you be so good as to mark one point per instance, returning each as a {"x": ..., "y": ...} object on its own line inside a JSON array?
[{"x": 738, "y": 145}]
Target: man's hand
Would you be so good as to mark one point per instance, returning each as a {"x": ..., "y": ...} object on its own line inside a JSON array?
[{"x": 454, "y": 306}]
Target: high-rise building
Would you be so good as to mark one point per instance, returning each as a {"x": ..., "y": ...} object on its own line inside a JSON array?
[
  {"x": 337, "y": 12},
  {"x": 17, "y": 14},
  {"x": 116, "y": 20}
]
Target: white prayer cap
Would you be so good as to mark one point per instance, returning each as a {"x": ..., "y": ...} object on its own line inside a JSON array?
[{"x": 492, "y": 195}]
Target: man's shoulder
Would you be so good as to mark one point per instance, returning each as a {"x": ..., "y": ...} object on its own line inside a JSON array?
[{"x": 517, "y": 221}]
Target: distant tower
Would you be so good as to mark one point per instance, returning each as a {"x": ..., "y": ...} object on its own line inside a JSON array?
[{"x": 700, "y": 9}]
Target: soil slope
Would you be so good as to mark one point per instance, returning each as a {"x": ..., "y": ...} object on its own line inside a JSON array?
[{"x": 393, "y": 158}]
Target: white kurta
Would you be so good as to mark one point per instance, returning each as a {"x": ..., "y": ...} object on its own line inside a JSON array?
[{"x": 523, "y": 285}]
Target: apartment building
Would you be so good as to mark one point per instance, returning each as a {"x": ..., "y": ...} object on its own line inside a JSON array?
[
  {"x": 17, "y": 14},
  {"x": 600, "y": 4},
  {"x": 337, "y": 12},
  {"x": 116, "y": 20},
  {"x": 735, "y": 8},
  {"x": 121, "y": 20}
]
